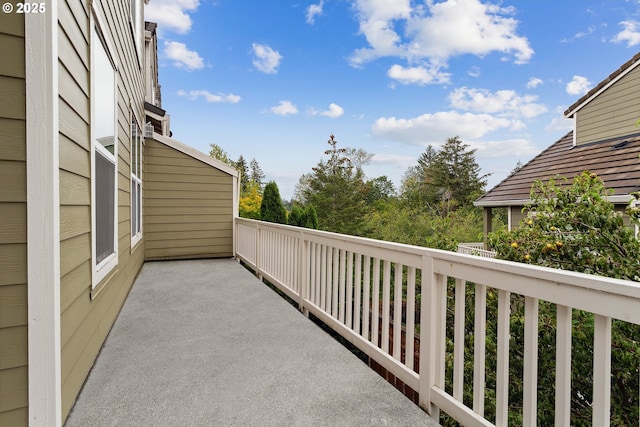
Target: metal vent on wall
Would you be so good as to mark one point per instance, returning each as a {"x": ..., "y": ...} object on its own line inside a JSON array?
[{"x": 148, "y": 130}]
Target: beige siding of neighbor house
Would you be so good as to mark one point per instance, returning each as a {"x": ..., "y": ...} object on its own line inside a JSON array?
[
  {"x": 87, "y": 315},
  {"x": 516, "y": 216},
  {"x": 188, "y": 206},
  {"x": 613, "y": 113},
  {"x": 13, "y": 225}
]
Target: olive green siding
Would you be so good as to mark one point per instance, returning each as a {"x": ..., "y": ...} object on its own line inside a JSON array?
[
  {"x": 188, "y": 206},
  {"x": 87, "y": 315},
  {"x": 13, "y": 225},
  {"x": 612, "y": 113}
]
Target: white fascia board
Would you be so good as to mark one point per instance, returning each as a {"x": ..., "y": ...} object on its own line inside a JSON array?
[
  {"x": 43, "y": 217},
  {"x": 192, "y": 152},
  {"x": 615, "y": 199},
  {"x": 502, "y": 203},
  {"x": 603, "y": 88}
]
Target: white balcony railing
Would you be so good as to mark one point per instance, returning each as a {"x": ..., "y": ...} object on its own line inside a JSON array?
[
  {"x": 476, "y": 249},
  {"x": 367, "y": 291}
]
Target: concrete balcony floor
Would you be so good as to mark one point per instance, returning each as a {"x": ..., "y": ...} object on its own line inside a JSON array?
[{"x": 205, "y": 343}]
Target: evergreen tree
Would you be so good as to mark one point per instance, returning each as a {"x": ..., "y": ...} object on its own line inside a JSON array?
[
  {"x": 257, "y": 175},
  {"x": 272, "y": 209},
  {"x": 241, "y": 166},
  {"x": 219, "y": 153},
  {"x": 310, "y": 217},
  {"x": 444, "y": 179},
  {"x": 296, "y": 216},
  {"x": 336, "y": 188}
]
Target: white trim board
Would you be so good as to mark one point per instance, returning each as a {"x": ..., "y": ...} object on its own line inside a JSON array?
[
  {"x": 43, "y": 218},
  {"x": 192, "y": 152}
]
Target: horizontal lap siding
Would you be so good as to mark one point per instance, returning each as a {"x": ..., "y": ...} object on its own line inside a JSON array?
[
  {"x": 611, "y": 114},
  {"x": 13, "y": 225},
  {"x": 188, "y": 206},
  {"x": 86, "y": 321}
]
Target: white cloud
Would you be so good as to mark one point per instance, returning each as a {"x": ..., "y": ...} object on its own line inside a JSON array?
[
  {"x": 313, "y": 11},
  {"x": 284, "y": 108},
  {"x": 534, "y": 82},
  {"x": 559, "y": 124},
  {"x": 434, "y": 32},
  {"x": 630, "y": 34},
  {"x": 393, "y": 159},
  {"x": 436, "y": 128},
  {"x": 474, "y": 72},
  {"x": 171, "y": 15},
  {"x": 265, "y": 58},
  {"x": 578, "y": 85},
  {"x": 504, "y": 148},
  {"x": 210, "y": 97},
  {"x": 417, "y": 75},
  {"x": 502, "y": 102},
  {"x": 183, "y": 57},
  {"x": 334, "y": 111}
]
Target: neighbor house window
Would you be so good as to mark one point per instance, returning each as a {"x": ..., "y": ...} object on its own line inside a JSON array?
[
  {"x": 105, "y": 153},
  {"x": 136, "y": 181},
  {"x": 136, "y": 23}
]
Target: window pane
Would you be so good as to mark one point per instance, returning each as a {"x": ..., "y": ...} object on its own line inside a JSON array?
[
  {"x": 105, "y": 207},
  {"x": 104, "y": 93}
]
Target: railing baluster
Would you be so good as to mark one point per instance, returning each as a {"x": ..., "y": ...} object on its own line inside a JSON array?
[
  {"x": 334, "y": 282},
  {"x": 323, "y": 277},
  {"x": 397, "y": 312},
  {"x": 411, "y": 317},
  {"x": 386, "y": 291},
  {"x": 366, "y": 295},
  {"x": 357, "y": 306},
  {"x": 479, "y": 348},
  {"x": 342, "y": 297},
  {"x": 349, "y": 318},
  {"x": 563, "y": 366},
  {"x": 375, "y": 303},
  {"x": 530, "y": 380},
  {"x": 458, "y": 340},
  {"x": 601, "y": 371},
  {"x": 502, "y": 374}
]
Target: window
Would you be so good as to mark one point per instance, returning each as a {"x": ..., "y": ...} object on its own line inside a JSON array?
[
  {"x": 136, "y": 23},
  {"x": 104, "y": 158},
  {"x": 136, "y": 181}
]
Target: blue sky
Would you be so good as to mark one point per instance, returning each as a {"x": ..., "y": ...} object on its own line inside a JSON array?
[{"x": 271, "y": 80}]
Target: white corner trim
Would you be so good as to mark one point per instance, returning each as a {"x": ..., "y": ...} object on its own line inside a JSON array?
[
  {"x": 43, "y": 217},
  {"x": 192, "y": 152}
]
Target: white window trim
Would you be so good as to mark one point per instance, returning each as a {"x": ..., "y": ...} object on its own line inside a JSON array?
[
  {"x": 135, "y": 239},
  {"x": 100, "y": 271}
]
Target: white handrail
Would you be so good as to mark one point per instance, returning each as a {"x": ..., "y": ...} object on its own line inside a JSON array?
[{"x": 359, "y": 288}]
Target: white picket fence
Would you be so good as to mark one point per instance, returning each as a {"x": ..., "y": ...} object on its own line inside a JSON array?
[
  {"x": 366, "y": 291},
  {"x": 476, "y": 249}
]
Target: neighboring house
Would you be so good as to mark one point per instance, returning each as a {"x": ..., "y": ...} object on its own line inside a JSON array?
[
  {"x": 85, "y": 198},
  {"x": 605, "y": 140}
]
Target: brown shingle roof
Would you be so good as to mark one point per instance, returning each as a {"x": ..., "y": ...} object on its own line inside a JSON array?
[
  {"x": 603, "y": 83},
  {"x": 619, "y": 168}
]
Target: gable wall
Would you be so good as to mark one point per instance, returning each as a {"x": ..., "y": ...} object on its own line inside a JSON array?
[
  {"x": 188, "y": 206},
  {"x": 87, "y": 315},
  {"x": 13, "y": 225},
  {"x": 611, "y": 114}
]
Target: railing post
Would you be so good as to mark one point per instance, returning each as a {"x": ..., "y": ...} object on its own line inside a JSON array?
[
  {"x": 303, "y": 273},
  {"x": 258, "y": 252},
  {"x": 427, "y": 338}
]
